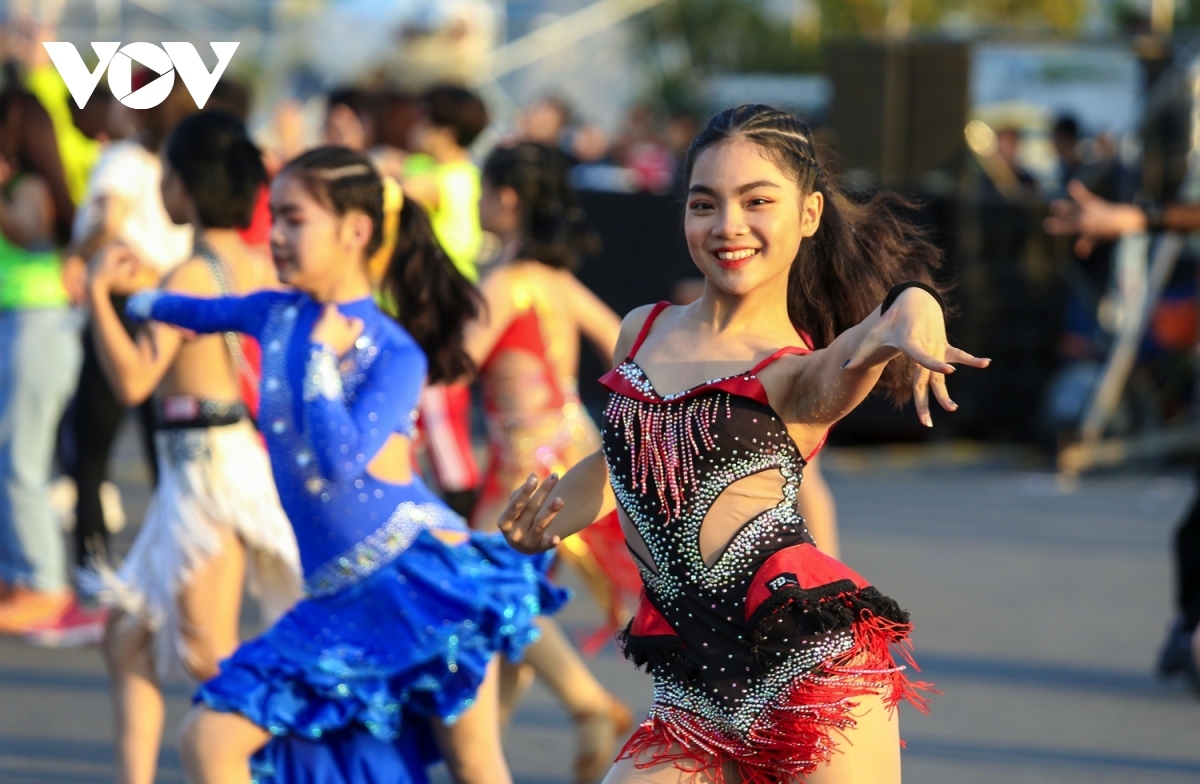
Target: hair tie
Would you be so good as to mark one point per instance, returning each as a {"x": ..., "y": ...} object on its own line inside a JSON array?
[
  {"x": 899, "y": 288},
  {"x": 393, "y": 196}
]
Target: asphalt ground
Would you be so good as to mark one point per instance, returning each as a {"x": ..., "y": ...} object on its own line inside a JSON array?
[{"x": 1039, "y": 610}]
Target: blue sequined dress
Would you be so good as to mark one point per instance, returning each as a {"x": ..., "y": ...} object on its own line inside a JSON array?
[{"x": 398, "y": 622}]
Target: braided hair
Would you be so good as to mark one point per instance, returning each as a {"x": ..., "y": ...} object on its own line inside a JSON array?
[
  {"x": 841, "y": 273},
  {"x": 552, "y": 229},
  {"x": 433, "y": 300}
]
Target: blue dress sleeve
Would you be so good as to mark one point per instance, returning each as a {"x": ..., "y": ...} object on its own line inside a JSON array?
[
  {"x": 348, "y": 433},
  {"x": 204, "y": 314}
]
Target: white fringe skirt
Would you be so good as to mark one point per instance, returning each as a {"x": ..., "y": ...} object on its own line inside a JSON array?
[{"x": 209, "y": 479}]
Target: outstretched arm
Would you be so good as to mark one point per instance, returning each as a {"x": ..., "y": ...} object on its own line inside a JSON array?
[
  {"x": 134, "y": 367},
  {"x": 1094, "y": 219},
  {"x": 834, "y": 380},
  {"x": 204, "y": 314}
]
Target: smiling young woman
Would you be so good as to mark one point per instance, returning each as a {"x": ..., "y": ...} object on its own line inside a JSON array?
[{"x": 772, "y": 662}]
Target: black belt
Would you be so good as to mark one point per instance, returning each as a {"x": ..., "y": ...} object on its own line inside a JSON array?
[{"x": 179, "y": 412}]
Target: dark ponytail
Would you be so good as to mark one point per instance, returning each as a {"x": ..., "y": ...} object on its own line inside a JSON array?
[
  {"x": 843, "y": 272},
  {"x": 434, "y": 301},
  {"x": 553, "y": 229}
]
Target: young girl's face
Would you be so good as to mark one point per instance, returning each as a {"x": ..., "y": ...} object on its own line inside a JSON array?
[
  {"x": 745, "y": 217},
  {"x": 312, "y": 247}
]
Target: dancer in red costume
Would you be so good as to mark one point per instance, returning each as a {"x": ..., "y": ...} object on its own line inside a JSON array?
[
  {"x": 772, "y": 662},
  {"x": 527, "y": 349}
]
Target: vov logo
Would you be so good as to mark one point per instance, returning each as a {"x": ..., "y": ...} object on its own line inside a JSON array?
[{"x": 165, "y": 61}]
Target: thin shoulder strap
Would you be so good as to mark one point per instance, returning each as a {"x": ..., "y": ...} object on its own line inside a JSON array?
[
  {"x": 223, "y": 277},
  {"x": 659, "y": 307},
  {"x": 783, "y": 352}
]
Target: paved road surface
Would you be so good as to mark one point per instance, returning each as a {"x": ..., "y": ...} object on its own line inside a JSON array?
[{"x": 1038, "y": 613}]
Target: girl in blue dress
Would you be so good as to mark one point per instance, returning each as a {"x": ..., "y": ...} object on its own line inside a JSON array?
[{"x": 404, "y": 608}]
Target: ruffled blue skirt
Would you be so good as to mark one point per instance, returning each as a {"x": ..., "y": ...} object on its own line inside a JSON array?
[{"x": 351, "y": 679}]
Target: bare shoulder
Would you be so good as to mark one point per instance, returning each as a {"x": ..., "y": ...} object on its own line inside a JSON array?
[
  {"x": 191, "y": 277},
  {"x": 631, "y": 325}
]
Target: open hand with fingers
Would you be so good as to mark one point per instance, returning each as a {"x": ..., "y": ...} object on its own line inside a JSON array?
[
  {"x": 530, "y": 511},
  {"x": 115, "y": 269},
  {"x": 1091, "y": 219},
  {"x": 915, "y": 326}
]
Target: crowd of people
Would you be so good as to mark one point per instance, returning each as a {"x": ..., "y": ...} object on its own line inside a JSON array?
[{"x": 301, "y": 329}]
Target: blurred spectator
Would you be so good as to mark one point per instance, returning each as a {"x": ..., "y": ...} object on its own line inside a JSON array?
[
  {"x": 545, "y": 121},
  {"x": 1008, "y": 149},
  {"x": 451, "y": 120},
  {"x": 681, "y": 128},
  {"x": 1088, "y": 275},
  {"x": 39, "y": 359},
  {"x": 1092, "y": 220},
  {"x": 77, "y": 151},
  {"x": 395, "y": 115},
  {"x": 1065, "y": 138},
  {"x": 348, "y": 118},
  {"x": 123, "y": 204},
  {"x": 595, "y": 170},
  {"x": 641, "y": 149}
]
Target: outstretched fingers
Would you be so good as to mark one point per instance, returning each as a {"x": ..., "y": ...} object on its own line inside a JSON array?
[
  {"x": 518, "y": 500},
  {"x": 519, "y": 520},
  {"x": 960, "y": 357},
  {"x": 921, "y": 395},
  {"x": 937, "y": 383}
]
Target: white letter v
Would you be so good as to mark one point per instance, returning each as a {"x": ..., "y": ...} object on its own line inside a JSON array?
[
  {"x": 79, "y": 80},
  {"x": 196, "y": 78}
]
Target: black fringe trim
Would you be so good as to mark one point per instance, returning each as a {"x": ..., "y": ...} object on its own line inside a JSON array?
[
  {"x": 830, "y": 608},
  {"x": 834, "y": 606},
  {"x": 661, "y": 654}
]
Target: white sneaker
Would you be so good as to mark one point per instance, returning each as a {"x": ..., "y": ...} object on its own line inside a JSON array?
[{"x": 113, "y": 509}]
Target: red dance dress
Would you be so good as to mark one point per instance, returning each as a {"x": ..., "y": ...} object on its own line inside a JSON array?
[{"x": 760, "y": 657}]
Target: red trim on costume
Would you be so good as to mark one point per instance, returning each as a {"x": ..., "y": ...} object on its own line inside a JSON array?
[
  {"x": 802, "y": 566},
  {"x": 649, "y": 622},
  {"x": 659, "y": 307}
]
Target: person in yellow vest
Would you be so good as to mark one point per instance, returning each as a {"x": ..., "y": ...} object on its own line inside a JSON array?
[{"x": 450, "y": 121}]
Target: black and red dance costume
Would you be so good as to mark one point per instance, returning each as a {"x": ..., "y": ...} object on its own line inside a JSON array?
[{"x": 761, "y": 658}]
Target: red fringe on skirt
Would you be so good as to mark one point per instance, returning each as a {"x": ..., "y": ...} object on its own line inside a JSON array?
[{"x": 794, "y": 737}]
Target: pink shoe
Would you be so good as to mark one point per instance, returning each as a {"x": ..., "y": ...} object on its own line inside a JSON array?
[{"x": 75, "y": 628}]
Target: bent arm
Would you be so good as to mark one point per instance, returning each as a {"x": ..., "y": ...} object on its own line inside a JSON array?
[
  {"x": 597, "y": 321},
  {"x": 538, "y": 518},
  {"x": 348, "y": 435},
  {"x": 136, "y": 366}
]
